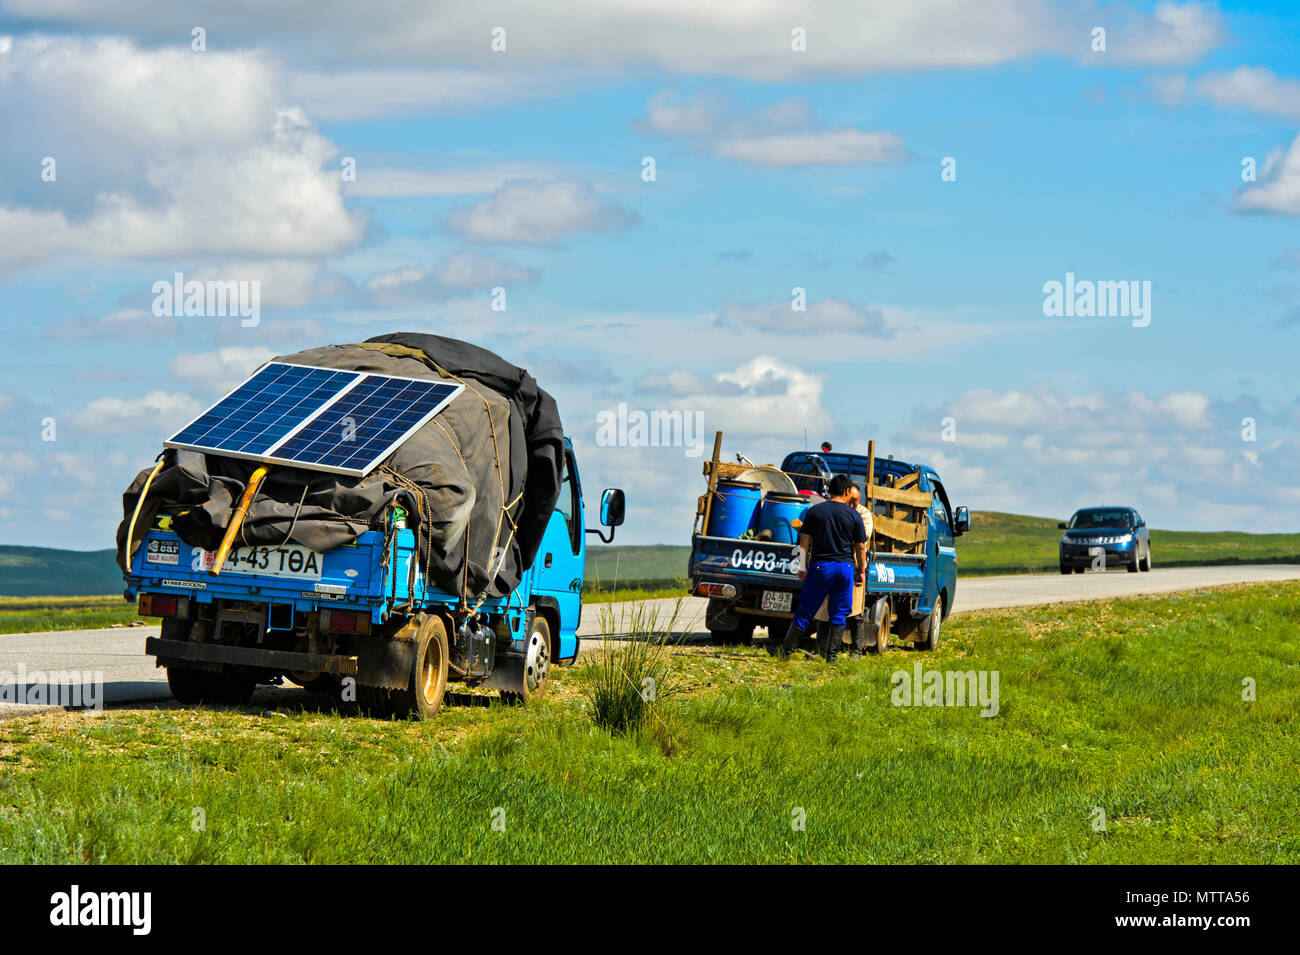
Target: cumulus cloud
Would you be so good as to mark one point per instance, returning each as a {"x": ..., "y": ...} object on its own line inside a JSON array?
[
  {"x": 161, "y": 153},
  {"x": 844, "y": 37},
  {"x": 154, "y": 412},
  {"x": 1178, "y": 457},
  {"x": 1278, "y": 187},
  {"x": 477, "y": 180},
  {"x": 541, "y": 213},
  {"x": 1254, "y": 88},
  {"x": 222, "y": 369},
  {"x": 454, "y": 275},
  {"x": 764, "y": 397},
  {"x": 785, "y": 134}
]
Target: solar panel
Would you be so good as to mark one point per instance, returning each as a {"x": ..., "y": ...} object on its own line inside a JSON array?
[{"x": 325, "y": 419}]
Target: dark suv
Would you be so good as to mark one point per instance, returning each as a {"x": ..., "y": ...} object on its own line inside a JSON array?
[{"x": 1116, "y": 533}]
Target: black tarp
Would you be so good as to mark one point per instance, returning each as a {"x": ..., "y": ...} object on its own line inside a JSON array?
[{"x": 485, "y": 472}]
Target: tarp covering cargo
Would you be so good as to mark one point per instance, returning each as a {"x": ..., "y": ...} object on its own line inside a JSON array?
[{"x": 482, "y": 476}]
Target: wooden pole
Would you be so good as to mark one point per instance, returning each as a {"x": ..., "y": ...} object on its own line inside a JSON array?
[
  {"x": 237, "y": 520},
  {"x": 713, "y": 480}
]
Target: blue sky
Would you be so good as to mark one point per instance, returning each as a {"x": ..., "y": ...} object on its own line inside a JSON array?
[{"x": 775, "y": 169}]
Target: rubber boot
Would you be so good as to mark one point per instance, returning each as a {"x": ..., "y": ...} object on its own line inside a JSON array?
[
  {"x": 792, "y": 638},
  {"x": 858, "y": 633},
  {"x": 834, "y": 640}
]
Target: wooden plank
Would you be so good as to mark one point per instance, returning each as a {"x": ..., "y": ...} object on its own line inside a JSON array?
[
  {"x": 919, "y": 499},
  {"x": 907, "y": 480},
  {"x": 905, "y": 532}
]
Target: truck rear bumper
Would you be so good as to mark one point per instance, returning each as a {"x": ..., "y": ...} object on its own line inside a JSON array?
[{"x": 172, "y": 651}]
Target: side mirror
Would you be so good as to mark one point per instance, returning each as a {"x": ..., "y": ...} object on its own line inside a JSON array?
[
  {"x": 1140, "y": 524},
  {"x": 1061, "y": 525},
  {"x": 612, "y": 506},
  {"x": 961, "y": 520}
]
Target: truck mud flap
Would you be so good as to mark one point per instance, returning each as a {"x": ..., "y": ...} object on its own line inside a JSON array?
[
  {"x": 384, "y": 663},
  {"x": 177, "y": 651}
]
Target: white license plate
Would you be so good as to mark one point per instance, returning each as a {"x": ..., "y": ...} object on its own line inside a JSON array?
[
  {"x": 778, "y": 600},
  {"x": 299, "y": 563}
]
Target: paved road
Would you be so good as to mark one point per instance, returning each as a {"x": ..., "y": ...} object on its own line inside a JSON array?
[{"x": 130, "y": 676}]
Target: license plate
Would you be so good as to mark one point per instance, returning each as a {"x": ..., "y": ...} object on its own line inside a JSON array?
[
  {"x": 778, "y": 600},
  {"x": 299, "y": 563}
]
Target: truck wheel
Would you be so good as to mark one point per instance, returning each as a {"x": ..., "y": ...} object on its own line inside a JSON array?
[
  {"x": 428, "y": 683},
  {"x": 186, "y": 684},
  {"x": 743, "y": 634},
  {"x": 878, "y": 623},
  {"x": 930, "y": 629},
  {"x": 230, "y": 686},
  {"x": 1133, "y": 564},
  {"x": 1146, "y": 564},
  {"x": 537, "y": 665},
  {"x": 1065, "y": 568},
  {"x": 1079, "y": 570}
]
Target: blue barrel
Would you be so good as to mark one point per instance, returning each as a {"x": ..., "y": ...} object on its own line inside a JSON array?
[
  {"x": 780, "y": 514},
  {"x": 735, "y": 509}
]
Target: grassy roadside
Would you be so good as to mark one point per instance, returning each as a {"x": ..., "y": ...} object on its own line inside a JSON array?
[
  {"x": 1133, "y": 707},
  {"x": 39, "y": 614}
]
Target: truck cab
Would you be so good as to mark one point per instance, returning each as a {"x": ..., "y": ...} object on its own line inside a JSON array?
[{"x": 362, "y": 621}]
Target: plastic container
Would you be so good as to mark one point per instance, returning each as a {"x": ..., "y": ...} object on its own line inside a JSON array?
[
  {"x": 735, "y": 509},
  {"x": 779, "y": 515}
]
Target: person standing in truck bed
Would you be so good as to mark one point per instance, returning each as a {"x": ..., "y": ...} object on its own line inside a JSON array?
[{"x": 833, "y": 557}]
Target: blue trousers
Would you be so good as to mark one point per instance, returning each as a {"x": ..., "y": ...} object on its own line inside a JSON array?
[{"x": 825, "y": 579}]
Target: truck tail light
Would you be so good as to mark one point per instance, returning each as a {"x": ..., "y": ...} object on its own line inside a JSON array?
[
  {"x": 163, "y": 605},
  {"x": 345, "y": 621},
  {"x": 726, "y": 591}
]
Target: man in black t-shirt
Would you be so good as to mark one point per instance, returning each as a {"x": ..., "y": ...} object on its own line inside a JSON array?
[{"x": 833, "y": 556}]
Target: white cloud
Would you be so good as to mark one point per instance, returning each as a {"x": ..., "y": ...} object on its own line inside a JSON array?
[
  {"x": 1177, "y": 457},
  {"x": 222, "y": 369},
  {"x": 143, "y": 171},
  {"x": 1173, "y": 33},
  {"x": 155, "y": 412},
  {"x": 1254, "y": 88},
  {"x": 454, "y": 275},
  {"x": 1278, "y": 187},
  {"x": 752, "y": 40},
  {"x": 539, "y": 213},
  {"x": 785, "y": 134}
]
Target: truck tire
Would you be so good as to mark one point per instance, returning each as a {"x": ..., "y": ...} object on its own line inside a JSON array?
[
  {"x": 230, "y": 686},
  {"x": 1133, "y": 564},
  {"x": 930, "y": 629},
  {"x": 1145, "y": 564},
  {"x": 1065, "y": 568},
  {"x": 879, "y": 619},
  {"x": 743, "y": 634},
  {"x": 537, "y": 665},
  {"x": 185, "y": 684},
  {"x": 427, "y": 685}
]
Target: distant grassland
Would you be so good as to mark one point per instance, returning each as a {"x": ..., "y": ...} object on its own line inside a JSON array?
[
  {"x": 38, "y": 614},
  {"x": 1122, "y": 735}
]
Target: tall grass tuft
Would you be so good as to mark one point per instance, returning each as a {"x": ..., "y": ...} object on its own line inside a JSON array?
[{"x": 627, "y": 685}]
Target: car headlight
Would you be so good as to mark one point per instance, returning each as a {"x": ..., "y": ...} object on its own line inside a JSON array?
[{"x": 1125, "y": 538}]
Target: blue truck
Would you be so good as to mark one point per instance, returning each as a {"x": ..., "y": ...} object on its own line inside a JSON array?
[
  {"x": 911, "y": 579},
  {"x": 361, "y": 620}
]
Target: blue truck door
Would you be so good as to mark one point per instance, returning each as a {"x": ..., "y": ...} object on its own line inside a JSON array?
[
  {"x": 944, "y": 555},
  {"x": 558, "y": 567}
]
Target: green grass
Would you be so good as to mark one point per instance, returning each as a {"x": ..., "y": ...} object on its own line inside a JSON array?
[
  {"x": 39, "y": 614},
  {"x": 1015, "y": 544},
  {"x": 1132, "y": 706}
]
